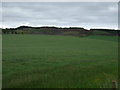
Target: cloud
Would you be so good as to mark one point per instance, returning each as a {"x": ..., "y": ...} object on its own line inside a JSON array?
[{"x": 83, "y": 14}]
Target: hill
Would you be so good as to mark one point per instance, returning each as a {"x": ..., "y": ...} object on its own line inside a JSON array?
[{"x": 74, "y": 31}]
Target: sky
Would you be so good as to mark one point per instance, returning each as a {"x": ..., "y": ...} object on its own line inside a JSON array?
[{"x": 61, "y": 14}]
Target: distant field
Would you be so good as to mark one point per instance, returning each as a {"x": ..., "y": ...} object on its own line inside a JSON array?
[{"x": 44, "y": 61}]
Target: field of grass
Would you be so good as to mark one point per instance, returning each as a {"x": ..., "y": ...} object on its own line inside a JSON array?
[
  {"x": 0, "y": 60},
  {"x": 44, "y": 61}
]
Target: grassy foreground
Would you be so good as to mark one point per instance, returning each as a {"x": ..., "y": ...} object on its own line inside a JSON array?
[{"x": 44, "y": 61}]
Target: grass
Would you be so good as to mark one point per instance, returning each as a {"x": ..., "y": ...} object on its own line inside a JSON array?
[
  {"x": 0, "y": 60},
  {"x": 45, "y": 61}
]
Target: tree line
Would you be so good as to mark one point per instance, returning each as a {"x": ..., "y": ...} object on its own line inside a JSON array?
[{"x": 59, "y": 31}]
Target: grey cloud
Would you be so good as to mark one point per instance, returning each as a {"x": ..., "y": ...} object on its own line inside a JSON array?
[{"x": 61, "y": 14}]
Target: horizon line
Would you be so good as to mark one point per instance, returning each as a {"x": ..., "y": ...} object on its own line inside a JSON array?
[{"x": 60, "y": 27}]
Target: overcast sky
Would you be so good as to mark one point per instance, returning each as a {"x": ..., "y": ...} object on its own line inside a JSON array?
[{"x": 81, "y": 14}]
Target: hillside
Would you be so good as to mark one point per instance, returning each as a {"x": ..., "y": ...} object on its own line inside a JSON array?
[{"x": 74, "y": 31}]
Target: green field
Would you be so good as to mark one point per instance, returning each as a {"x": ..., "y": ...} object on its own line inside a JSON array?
[{"x": 46, "y": 61}]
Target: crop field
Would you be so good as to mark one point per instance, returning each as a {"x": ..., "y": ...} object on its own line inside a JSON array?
[{"x": 53, "y": 61}]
